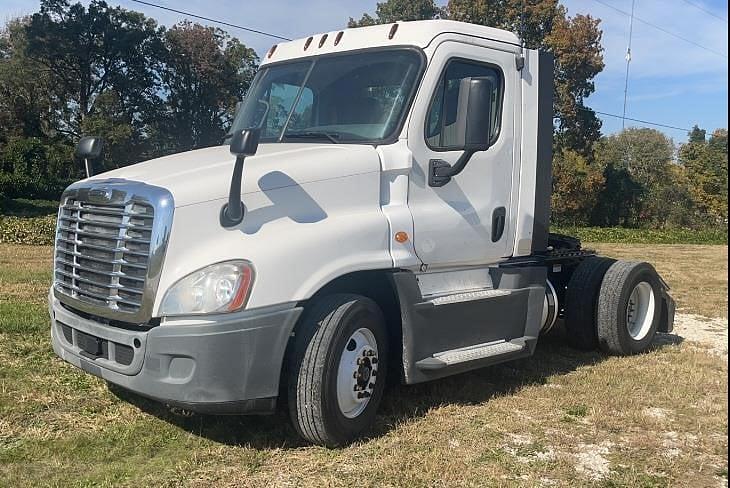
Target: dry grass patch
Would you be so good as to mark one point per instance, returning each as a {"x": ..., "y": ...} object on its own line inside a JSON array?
[{"x": 561, "y": 418}]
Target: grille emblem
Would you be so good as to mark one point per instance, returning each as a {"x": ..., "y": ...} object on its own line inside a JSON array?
[{"x": 100, "y": 194}]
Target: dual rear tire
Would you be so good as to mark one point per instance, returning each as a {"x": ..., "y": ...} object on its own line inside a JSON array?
[{"x": 614, "y": 306}]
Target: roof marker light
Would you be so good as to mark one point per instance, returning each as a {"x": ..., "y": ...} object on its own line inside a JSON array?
[
  {"x": 391, "y": 34},
  {"x": 338, "y": 37},
  {"x": 271, "y": 51},
  {"x": 322, "y": 41},
  {"x": 307, "y": 43}
]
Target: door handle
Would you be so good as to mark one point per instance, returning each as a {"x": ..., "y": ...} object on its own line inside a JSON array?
[{"x": 498, "y": 220}]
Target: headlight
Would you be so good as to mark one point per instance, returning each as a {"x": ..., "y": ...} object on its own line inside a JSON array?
[{"x": 218, "y": 288}]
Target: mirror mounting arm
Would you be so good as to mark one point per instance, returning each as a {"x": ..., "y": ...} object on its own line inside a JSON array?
[
  {"x": 440, "y": 172},
  {"x": 244, "y": 143},
  {"x": 233, "y": 211}
]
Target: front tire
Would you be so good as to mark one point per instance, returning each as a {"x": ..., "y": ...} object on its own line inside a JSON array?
[
  {"x": 337, "y": 369},
  {"x": 629, "y": 308}
]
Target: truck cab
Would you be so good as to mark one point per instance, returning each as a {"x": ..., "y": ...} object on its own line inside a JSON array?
[{"x": 380, "y": 209}]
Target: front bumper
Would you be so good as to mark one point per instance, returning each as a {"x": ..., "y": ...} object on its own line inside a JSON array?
[{"x": 228, "y": 364}]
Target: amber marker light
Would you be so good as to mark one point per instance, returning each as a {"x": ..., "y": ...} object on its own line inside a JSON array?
[{"x": 401, "y": 237}]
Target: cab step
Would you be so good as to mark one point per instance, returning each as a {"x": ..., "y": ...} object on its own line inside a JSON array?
[
  {"x": 472, "y": 353},
  {"x": 461, "y": 297}
]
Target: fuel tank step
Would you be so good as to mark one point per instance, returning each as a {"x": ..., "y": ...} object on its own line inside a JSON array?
[{"x": 471, "y": 353}]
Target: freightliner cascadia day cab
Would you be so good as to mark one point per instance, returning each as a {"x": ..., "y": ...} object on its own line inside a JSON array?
[{"x": 391, "y": 220}]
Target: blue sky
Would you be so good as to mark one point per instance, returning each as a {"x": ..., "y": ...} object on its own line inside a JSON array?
[{"x": 672, "y": 81}]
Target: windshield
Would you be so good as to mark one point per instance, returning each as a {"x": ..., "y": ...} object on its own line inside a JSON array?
[{"x": 349, "y": 97}]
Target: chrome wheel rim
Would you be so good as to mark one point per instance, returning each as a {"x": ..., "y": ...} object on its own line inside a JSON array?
[
  {"x": 640, "y": 311},
  {"x": 357, "y": 373}
]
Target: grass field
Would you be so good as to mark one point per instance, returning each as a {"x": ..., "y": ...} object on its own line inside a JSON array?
[{"x": 562, "y": 418}]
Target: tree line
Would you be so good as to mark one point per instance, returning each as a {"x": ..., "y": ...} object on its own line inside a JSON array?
[{"x": 69, "y": 70}]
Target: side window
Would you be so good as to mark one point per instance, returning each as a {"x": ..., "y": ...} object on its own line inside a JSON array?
[{"x": 441, "y": 122}]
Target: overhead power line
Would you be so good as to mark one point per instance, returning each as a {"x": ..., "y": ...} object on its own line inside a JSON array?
[
  {"x": 662, "y": 29},
  {"x": 182, "y": 12},
  {"x": 708, "y": 12},
  {"x": 647, "y": 122}
]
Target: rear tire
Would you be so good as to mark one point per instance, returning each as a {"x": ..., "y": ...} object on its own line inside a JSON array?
[
  {"x": 337, "y": 369},
  {"x": 629, "y": 308},
  {"x": 581, "y": 302}
]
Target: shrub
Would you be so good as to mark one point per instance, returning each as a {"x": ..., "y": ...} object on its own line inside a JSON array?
[
  {"x": 645, "y": 236},
  {"x": 33, "y": 230}
]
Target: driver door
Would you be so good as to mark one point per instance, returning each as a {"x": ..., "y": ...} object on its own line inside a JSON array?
[{"x": 466, "y": 221}]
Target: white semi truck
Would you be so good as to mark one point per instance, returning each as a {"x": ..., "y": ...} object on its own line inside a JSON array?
[{"x": 391, "y": 220}]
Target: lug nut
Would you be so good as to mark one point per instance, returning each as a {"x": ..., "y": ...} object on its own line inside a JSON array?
[
  {"x": 374, "y": 360},
  {"x": 371, "y": 385}
]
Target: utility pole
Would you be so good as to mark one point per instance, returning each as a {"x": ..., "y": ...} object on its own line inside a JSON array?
[{"x": 628, "y": 63}]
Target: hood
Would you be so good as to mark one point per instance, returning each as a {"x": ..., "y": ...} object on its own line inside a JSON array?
[{"x": 205, "y": 174}]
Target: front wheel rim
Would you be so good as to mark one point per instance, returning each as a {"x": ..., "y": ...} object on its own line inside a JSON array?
[
  {"x": 357, "y": 373},
  {"x": 640, "y": 311}
]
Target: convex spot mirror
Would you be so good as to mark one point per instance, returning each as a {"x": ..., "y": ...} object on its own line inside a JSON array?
[
  {"x": 89, "y": 149},
  {"x": 245, "y": 142},
  {"x": 473, "y": 130}
]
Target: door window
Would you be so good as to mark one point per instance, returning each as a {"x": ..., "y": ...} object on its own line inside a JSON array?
[{"x": 441, "y": 122}]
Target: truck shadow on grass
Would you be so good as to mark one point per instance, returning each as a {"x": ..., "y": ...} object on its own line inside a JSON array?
[{"x": 401, "y": 403}]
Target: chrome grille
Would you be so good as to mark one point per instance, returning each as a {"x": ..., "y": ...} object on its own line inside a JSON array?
[
  {"x": 109, "y": 246},
  {"x": 103, "y": 252}
]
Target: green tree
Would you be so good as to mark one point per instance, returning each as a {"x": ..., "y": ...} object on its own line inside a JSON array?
[
  {"x": 88, "y": 52},
  {"x": 697, "y": 134},
  {"x": 25, "y": 90},
  {"x": 707, "y": 170},
  {"x": 637, "y": 164},
  {"x": 395, "y": 10},
  {"x": 33, "y": 156},
  {"x": 206, "y": 72},
  {"x": 576, "y": 186}
]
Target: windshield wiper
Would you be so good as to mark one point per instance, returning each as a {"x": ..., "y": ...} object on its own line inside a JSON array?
[{"x": 313, "y": 135}]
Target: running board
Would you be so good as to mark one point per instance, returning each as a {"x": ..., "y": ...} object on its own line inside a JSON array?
[
  {"x": 468, "y": 296},
  {"x": 472, "y": 353}
]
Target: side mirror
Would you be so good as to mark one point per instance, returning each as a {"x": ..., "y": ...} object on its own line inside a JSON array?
[
  {"x": 89, "y": 149},
  {"x": 473, "y": 128},
  {"x": 244, "y": 143},
  {"x": 474, "y": 114}
]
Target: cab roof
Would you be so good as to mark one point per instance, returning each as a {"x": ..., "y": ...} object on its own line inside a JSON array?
[{"x": 418, "y": 33}]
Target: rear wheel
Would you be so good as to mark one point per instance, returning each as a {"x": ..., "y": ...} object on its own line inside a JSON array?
[
  {"x": 581, "y": 300},
  {"x": 338, "y": 368},
  {"x": 629, "y": 308}
]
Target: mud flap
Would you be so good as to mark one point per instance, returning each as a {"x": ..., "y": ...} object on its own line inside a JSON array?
[{"x": 666, "y": 323}]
